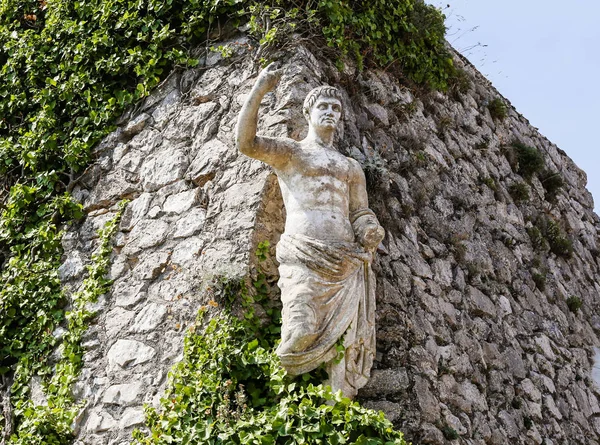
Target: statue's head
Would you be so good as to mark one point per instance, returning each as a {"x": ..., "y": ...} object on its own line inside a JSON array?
[{"x": 323, "y": 107}]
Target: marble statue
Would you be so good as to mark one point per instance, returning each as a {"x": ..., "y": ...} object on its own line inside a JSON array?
[{"x": 326, "y": 250}]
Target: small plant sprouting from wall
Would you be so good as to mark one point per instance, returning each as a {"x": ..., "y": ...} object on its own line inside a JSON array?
[
  {"x": 498, "y": 109},
  {"x": 526, "y": 160},
  {"x": 519, "y": 191},
  {"x": 552, "y": 183},
  {"x": 537, "y": 238},
  {"x": 459, "y": 83},
  {"x": 547, "y": 234},
  {"x": 449, "y": 433},
  {"x": 490, "y": 182},
  {"x": 574, "y": 303},
  {"x": 540, "y": 281}
]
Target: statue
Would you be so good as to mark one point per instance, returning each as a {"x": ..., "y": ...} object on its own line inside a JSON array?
[{"x": 326, "y": 250}]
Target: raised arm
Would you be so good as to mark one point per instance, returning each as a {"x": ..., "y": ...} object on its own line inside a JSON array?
[{"x": 274, "y": 151}]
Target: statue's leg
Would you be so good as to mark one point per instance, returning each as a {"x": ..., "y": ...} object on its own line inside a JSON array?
[{"x": 299, "y": 326}]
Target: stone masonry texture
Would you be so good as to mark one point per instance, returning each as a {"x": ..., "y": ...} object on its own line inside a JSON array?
[{"x": 475, "y": 338}]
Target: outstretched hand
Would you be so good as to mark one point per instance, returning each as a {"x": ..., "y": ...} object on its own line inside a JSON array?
[{"x": 269, "y": 77}]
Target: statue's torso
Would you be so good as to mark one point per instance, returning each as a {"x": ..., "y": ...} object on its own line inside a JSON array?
[{"x": 315, "y": 185}]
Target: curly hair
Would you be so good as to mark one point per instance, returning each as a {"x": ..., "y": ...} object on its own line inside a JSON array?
[{"x": 314, "y": 94}]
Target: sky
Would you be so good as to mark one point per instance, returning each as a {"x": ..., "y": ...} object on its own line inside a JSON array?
[{"x": 543, "y": 56}]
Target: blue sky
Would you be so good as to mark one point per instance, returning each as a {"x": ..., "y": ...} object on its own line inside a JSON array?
[{"x": 543, "y": 56}]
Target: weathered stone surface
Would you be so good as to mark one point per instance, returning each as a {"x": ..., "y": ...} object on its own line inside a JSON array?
[
  {"x": 135, "y": 211},
  {"x": 388, "y": 381},
  {"x": 149, "y": 318},
  {"x": 99, "y": 422},
  {"x": 163, "y": 168},
  {"x": 71, "y": 268},
  {"x": 151, "y": 266},
  {"x": 124, "y": 394},
  {"x": 180, "y": 202},
  {"x": 132, "y": 417},
  {"x": 481, "y": 303},
  {"x": 465, "y": 336},
  {"x": 393, "y": 411},
  {"x": 129, "y": 293},
  {"x": 208, "y": 159},
  {"x": 126, "y": 353},
  {"x": 190, "y": 224},
  {"x": 429, "y": 406},
  {"x": 145, "y": 234},
  {"x": 116, "y": 320}
]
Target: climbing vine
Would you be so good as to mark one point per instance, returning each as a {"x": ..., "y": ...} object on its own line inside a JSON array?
[
  {"x": 230, "y": 388},
  {"x": 50, "y": 423}
]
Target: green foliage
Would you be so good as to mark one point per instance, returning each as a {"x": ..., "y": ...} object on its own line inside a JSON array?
[
  {"x": 490, "y": 182},
  {"x": 459, "y": 83},
  {"x": 31, "y": 299},
  {"x": 449, "y": 433},
  {"x": 574, "y": 303},
  {"x": 51, "y": 424},
  {"x": 68, "y": 70},
  {"x": 558, "y": 241},
  {"x": 547, "y": 234},
  {"x": 539, "y": 280},
  {"x": 527, "y": 160},
  {"x": 262, "y": 250},
  {"x": 537, "y": 238},
  {"x": 381, "y": 32},
  {"x": 498, "y": 109},
  {"x": 231, "y": 388},
  {"x": 519, "y": 191},
  {"x": 552, "y": 183},
  {"x": 561, "y": 246}
]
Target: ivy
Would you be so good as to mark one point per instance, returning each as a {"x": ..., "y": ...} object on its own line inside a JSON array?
[
  {"x": 230, "y": 388},
  {"x": 50, "y": 423}
]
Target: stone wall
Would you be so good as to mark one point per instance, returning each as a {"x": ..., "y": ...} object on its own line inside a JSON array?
[{"x": 468, "y": 344}]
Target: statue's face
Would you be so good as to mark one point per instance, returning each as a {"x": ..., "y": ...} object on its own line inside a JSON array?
[{"x": 325, "y": 113}]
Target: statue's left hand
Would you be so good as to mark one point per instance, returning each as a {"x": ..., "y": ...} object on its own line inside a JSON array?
[{"x": 371, "y": 237}]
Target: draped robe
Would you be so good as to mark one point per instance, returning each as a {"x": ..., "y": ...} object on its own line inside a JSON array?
[{"x": 328, "y": 293}]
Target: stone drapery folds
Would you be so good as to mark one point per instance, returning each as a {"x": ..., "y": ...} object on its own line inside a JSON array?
[{"x": 328, "y": 296}]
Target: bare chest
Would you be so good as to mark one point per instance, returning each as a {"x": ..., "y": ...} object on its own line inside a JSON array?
[{"x": 321, "y": 164}]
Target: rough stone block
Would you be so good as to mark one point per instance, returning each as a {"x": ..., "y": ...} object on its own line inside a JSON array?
[
  {"x": 190, "y": 224},
  {"x": 163, "y": 168},
  {"x": 126, "y": 353},
  {"x": 481, "y": 305},
  {"x": 385, "y": 382},
  {"x": 132, "y": 417},
  {"x": 124, "y": 394},
  {"x": 149, "y": 318}
]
